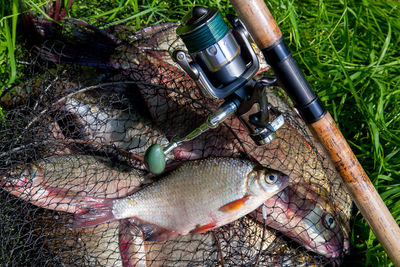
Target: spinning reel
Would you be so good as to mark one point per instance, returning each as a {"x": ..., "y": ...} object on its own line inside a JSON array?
[{"x": 223, "y": 66}]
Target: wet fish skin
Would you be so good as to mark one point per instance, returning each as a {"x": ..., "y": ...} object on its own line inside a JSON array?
[
  {"x": 294, "y": 151},
  {"x": 131, "y": 245},
  {"x": 308, "y": 218},
  {"x": 97, "y": 246},
  {"x": 204, "y": 249},
  {"x": 198, "y": 196},
  {"x": 146, "y": 62},
  {"x": 58, "y": 182},
  {"x": 124, "y": 129}
]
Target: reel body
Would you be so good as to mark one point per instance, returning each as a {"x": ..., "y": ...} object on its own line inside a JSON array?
[{"x": 222, "y": 59}]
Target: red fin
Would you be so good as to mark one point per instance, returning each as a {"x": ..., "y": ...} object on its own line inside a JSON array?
[
  {"x": 172, "y": 166},
  {"x": 131, "y": 243},
  {"x": 153, "y": 232},
  {"x": 234, "y": 205},
  {"x": 203, "y": 228},
  {"x": 95, "y": 211},
  {"x": 58, "y": 192}
]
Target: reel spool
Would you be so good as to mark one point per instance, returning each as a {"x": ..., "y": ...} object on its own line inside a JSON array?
[{"x": 223, "y": 60}]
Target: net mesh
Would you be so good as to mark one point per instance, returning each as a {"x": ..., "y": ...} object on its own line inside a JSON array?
[{"x": 91, "y": 103}]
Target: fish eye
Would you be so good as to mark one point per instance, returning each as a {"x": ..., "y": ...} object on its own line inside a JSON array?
[
  {"x": 271, "y": 178},
  {"x": 329, "y": 221}
]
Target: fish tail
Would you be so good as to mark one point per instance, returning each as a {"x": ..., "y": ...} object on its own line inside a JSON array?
[
  {"x": 70, "y": 41},
  {"x": 86, "y": 46},
  {"x": 93, "y": 212}
]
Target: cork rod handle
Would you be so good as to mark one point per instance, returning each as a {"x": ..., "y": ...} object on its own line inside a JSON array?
[{"x": 258, "y": 19}]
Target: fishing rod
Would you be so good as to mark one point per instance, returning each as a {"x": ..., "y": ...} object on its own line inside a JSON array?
[
  {"x": 268, "y": 37},
  {"x": 223, "y": 64}
]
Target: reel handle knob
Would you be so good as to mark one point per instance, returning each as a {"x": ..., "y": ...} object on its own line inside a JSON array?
[{"x": 155, "y": 159}]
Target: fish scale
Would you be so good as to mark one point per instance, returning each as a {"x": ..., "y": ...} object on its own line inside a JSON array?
[
  {"x": 198, "y": 196},
  {"x": 56, "y": 182},
  {"x": 187, "y": 180},
  {"x": 125, "y": 129}
]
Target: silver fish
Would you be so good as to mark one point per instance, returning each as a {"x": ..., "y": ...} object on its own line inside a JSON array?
[
  {"x": 308, "y": 218},
  {"x": 123, "y": 128},
  {"x": 198, "y": 196},
  {"x": 294, "y": 151},
  {"x": 59, "y": 182},
  {"x": 208, "y": 248},
  {"x": 244, "y": 242},
  {"x": 97, "y": 246}
]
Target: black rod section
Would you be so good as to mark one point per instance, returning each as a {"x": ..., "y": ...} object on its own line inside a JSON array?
[{"x": 279, "y": 57}]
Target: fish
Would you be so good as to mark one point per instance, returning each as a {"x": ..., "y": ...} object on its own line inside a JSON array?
[
  {"x": 132, "y": 245},
  {"x": 97, "y": 246},
  {"x": 308, "y": 217},
  {"x": 146, "y": 60},
  {"x": 122, "y": 244},
  {"x": 196, "y": 197},
  {"x": 59, "y": 182},
  {"x": 172, "y": 99},
  {"x": 211, "y": 248},
  {"x": 244, "y": 242},
  {"x": 281, "y": 253},
  {"x": 121, "y": 128}
]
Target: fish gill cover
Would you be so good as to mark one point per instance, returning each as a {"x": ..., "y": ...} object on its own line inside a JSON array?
[{"x": 75, "y": 133}]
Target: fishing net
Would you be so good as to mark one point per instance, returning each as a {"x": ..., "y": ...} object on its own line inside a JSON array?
[{"x": 91, "y": 103}]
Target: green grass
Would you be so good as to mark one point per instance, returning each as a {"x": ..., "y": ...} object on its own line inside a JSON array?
[{"x": 348, "y": 50}]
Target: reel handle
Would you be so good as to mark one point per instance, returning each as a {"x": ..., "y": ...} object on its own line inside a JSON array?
[{"x": 155, "y": 156}]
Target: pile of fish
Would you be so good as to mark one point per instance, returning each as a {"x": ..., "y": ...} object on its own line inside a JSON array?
[{"x": 73, "y": 164}]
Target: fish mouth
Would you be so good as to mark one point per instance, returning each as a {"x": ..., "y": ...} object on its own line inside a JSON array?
[
  {"x": 331, "y": 251},
  {"x": 335, "y": 262},
  {"x": 14, "y": 182},
  {"x": 285, "y": 182}
]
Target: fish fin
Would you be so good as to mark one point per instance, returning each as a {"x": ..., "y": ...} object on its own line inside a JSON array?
[
  {"x": 203, "y": 228},
  {"x": 130, "y": 241},
  {"x": 94, "y": 211},
  {"x": 153, "y": 232},
  {"x": 58, "y": 192},
  {"x": 172, "y": 166},
  {"x": 85, "y": 45},
  {"x": 234, "y": 205}
]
